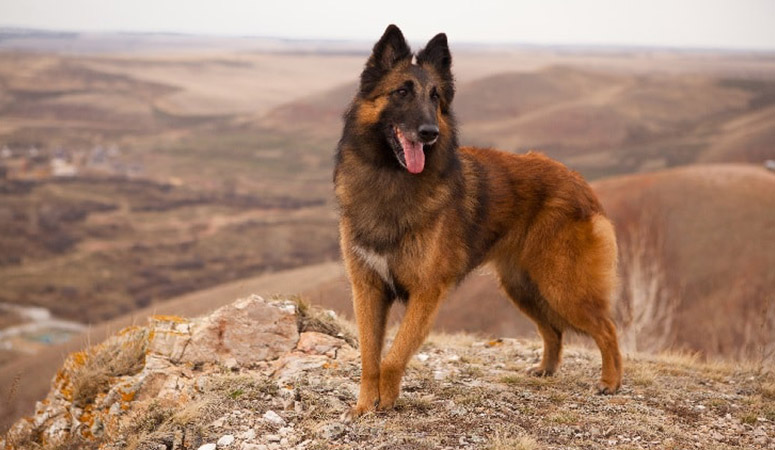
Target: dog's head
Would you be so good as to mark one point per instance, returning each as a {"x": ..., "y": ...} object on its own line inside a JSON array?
[{"x": 408, "y": 101}]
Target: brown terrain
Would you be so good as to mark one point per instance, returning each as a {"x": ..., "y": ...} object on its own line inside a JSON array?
[
  {"x": 276, "y": 374},
  {"x": 140, "y": 176}
]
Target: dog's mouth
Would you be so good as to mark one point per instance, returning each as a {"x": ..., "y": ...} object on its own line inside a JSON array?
[{"x": 410, "y": 154}]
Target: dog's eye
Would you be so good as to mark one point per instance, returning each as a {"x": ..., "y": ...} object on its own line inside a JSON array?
[
  {"x": 434, "y": 94},
  {"x": 403, "y": 92}
]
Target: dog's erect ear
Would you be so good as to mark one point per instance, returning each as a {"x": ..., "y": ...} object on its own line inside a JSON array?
[
  {"x": 388, "y": 51},
  {"x": 436, "y": 54}
]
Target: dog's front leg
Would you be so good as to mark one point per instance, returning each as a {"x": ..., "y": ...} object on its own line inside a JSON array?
[
  {"x": 371, "y": 305},
  {"x": 414, "y": 328}
]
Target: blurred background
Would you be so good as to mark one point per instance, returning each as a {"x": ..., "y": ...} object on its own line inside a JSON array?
[{"x": 168, "y": 157}]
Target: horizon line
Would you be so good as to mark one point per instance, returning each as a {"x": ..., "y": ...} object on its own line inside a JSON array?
[{"x": 466, "y": 43}]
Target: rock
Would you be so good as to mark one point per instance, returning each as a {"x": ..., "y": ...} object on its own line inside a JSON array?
[
  {"x": 272, "y": 417},
  {"x": 295, "y": 364},
  {"x": 422, "y": 357},
  {"x": 248, "y": 435},
  {"x": 273, "y": 438},
  {"x": 225, "y": 441},
  {"x": 169, "y": 337},
  {"x": 207, "y": 447},
  {"x": 331, "y": 431},
  {"x": 313, "y": 342},
  {"x": 231, "y": 363},
  {"x": 247, "y": 331}
]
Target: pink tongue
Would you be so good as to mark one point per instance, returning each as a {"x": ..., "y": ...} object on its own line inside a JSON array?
[{"x": 415, "y": 158}]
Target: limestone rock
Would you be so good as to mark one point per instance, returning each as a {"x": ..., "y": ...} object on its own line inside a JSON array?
[
  {"x": 249, "y": 330},
  {"x": 318, "y": 343}
]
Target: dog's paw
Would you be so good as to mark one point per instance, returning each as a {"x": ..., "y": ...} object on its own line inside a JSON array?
[
  {"x": 386, "y": 405},
  {"x": 604, "y": 388},
  {"x": 361, "y": 408},
  {"x": 540, "y": 371},
  {"x": 354, "y": 413}
]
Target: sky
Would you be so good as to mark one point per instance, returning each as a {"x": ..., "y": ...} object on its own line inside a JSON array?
[{"x": 713, "y": 24}]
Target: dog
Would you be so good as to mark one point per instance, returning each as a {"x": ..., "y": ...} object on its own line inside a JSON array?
[{"x": 418, "y": 213}]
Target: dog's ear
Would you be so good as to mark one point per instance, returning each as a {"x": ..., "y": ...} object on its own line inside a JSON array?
[
  {"x": 388, "y": 51},
  {"x": 436, "y": 54}
]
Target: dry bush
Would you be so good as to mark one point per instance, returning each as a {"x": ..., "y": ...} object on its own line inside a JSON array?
[
  {"x": 647, "y": 305},
  {"x": 314, "y": 318},
  {"x": 120, "y": 356}
]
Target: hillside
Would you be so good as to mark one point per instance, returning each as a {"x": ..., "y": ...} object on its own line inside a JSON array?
[{"x": 279, "y": 375}]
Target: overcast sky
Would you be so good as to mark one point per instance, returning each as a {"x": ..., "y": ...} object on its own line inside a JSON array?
[{"x": 673, "y": 23}]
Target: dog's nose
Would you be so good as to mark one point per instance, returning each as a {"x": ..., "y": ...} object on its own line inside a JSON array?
[{"x": 428, "y": 133}]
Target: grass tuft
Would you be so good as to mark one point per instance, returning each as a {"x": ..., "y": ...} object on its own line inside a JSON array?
[
  {"x": 314, "y": 318},
  {"x": 115, "y": 358},
  {"x": 519, "y": 443}
]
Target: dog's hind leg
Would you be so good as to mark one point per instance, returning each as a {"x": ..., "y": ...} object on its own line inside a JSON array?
[
  {"x": 597, "y": 323},
  {"x": 415, "y": 326},
  {"x": 527, "y": 299}
]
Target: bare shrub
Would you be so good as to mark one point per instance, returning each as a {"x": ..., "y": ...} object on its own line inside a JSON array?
[
  {"x": 646, "y": 308},
  {"x": 314, "y": 318}
]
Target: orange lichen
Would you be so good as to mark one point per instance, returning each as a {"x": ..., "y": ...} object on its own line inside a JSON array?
[
  {"x": 127, "y": 397},
  {"x": 127, "y": 330},
  {"x": 168, "y": 318},
  {"x": 495, "y": 343}
]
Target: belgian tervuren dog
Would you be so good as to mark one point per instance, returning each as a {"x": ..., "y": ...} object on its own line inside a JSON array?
[{"x": 418, "y": 213}]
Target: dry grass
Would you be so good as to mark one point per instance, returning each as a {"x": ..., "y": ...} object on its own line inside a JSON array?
[
  {"x": 314, "y": 318},
  {"x": 115, "y": 358},
  {"x": 501, "y": 442},
  {"x": 166, "y": 424}
]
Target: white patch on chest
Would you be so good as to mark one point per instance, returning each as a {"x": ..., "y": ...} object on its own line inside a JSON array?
[{"x": 376, "y": 262}]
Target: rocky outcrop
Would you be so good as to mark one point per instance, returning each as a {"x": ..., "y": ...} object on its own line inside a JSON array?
[
  {"x": 171, "y": 361},
  {"x": 277, "y": 375}
]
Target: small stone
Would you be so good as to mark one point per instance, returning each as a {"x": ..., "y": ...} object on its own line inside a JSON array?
[
  {"x": 225, "y": 440},
  {"x": 248, "y": 435},
  {"x": 231, "y": 363},
  {"x": 717, "y": 436},
  {"x": 273, "y": 438},
  {"x": 207, "y": 447},
  {"x": 331, "y": 431},
  {"x": 272, "y": 417},
  {"x": 422, "y": 357},
  {"x": 218, "y": 423},
  {"x": 594, "y": 431}
]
